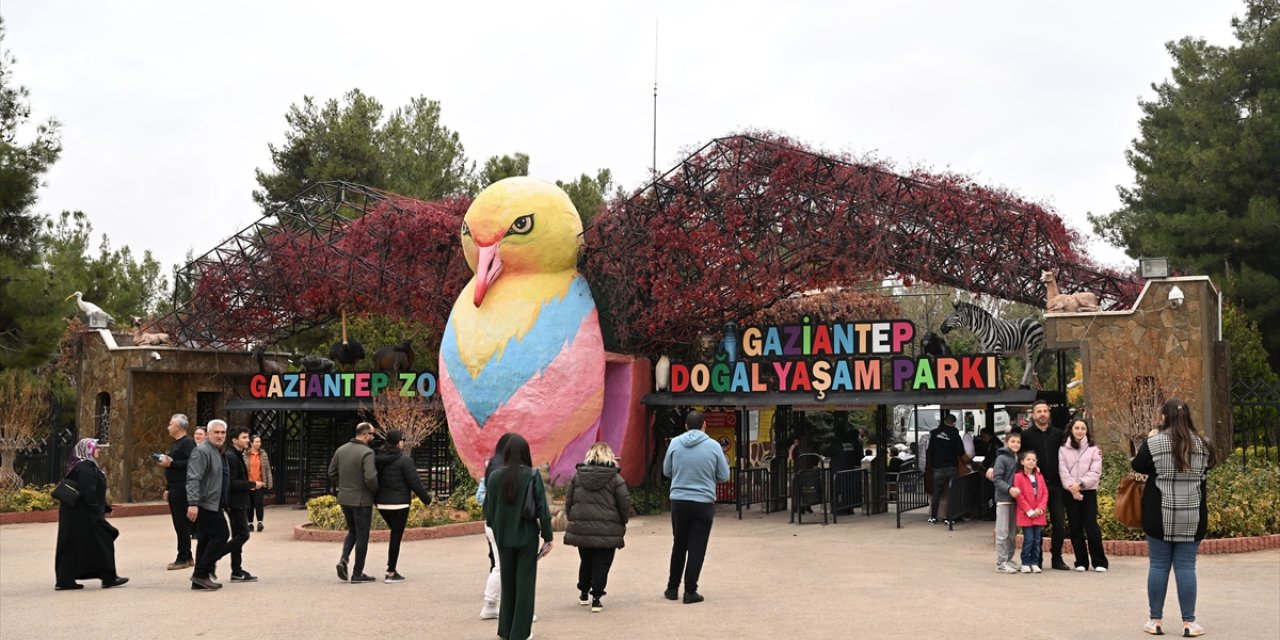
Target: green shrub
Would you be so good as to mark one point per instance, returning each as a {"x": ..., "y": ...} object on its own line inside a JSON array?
[
  {"x": 1243, "y": 501},
  {"x": 325, "y": 513},
  {"x": 29, "y": 498},
  {"x": 649, "y": 500}
]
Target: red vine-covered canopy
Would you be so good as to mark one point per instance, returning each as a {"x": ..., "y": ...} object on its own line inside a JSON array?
[{"x": 742, "y": 223}]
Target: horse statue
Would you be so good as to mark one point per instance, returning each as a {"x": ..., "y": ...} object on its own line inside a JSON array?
[{"x": 1000, "y": 336}]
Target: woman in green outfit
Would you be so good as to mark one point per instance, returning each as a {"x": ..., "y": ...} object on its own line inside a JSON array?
[{"x": 517, "y": 537}]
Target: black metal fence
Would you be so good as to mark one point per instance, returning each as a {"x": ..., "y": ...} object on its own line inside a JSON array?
[
  {"x": 753, "y": 489},
  {"x": 1255, "y": 419},
  {"x": 46, "y": 463},
  {"x": 906, "y": 491},
  {"x": 964, "y": 497},
  {"x": 848, "y": 491},
  {"x": 807, "y": 491}
]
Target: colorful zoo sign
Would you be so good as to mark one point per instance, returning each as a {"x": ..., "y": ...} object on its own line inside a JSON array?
[
  {"x": 821, "y": 358},
  {"x": 362, "y": 384}
]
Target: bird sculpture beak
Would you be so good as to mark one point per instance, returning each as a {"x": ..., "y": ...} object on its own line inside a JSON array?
[{"x": 488, "y": 268}]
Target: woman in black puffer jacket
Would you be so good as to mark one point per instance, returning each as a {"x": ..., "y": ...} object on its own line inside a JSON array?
[
  {"x": 598, "y": 506},
  {"x": 398, "y": 481}
]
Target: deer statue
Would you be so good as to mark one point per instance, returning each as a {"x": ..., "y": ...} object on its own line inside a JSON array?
[
  {"x": 1057, "y": 302},
  {"x": 142, "y": 338}
]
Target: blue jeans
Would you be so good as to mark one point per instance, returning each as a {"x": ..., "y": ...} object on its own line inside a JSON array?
[
  {"x": 1032, "y": 546},
  {"x": 1182, "y": 557}
]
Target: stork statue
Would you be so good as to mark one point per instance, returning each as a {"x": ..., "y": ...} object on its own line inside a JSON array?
[{"x": 98, "y": 319}]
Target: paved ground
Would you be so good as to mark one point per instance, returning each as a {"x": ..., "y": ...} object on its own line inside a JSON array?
[{"x": 764, "y": 578}]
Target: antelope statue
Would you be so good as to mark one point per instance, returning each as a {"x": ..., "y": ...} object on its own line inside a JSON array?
[
  {"x": 1058, "y": 302},
  {"x": 142, "y": 338}
]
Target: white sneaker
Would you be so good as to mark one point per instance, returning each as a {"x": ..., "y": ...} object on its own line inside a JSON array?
[
  {"x": 1026, "y": 568},
  {"x": 1006, "y": 568},
  {"x": 1100, "y": 569},
  {"x": 1035, "y": 569},
  {"x": 1081, "y": 569},
  {"x": 489, "y": 612}
]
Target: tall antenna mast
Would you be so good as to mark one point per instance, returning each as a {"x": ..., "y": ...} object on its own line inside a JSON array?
[{"x": 653, "y": 168}]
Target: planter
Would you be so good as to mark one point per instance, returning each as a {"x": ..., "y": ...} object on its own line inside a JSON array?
[
  {"x": 1209, "y": 546},
  {"x": 308, "y": 532},
  {"x": 118, "y": 511}
]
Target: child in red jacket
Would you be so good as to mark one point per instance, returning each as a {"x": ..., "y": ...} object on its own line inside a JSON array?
[{"x": 1033, "y": 498}]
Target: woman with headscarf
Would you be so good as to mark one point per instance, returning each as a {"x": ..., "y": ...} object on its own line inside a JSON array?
[
  {"x": 398, "y": 482},
  {"x": 516, "y": 535},
  {"x": 86, "y": 541}
]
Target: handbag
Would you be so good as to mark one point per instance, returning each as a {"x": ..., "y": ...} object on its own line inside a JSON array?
[
  {"x": 67, "y": 492},
  {"x": 1129, "y": 500},
  {"x": 530, "y": 509}
]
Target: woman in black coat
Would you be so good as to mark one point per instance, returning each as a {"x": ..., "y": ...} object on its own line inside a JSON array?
[
  {"x": 598, "y": 505},
  {"x": 398, "y": 481},
  {"x": 86, "y": 541}
]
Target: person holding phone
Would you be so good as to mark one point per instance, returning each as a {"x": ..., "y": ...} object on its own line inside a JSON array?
[
  {"x": 507, "y": 490},
  {"x": 175, "y": 478}
]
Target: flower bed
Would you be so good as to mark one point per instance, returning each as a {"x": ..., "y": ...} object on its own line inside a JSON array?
[
  {"x": 1244, "y": 501},
  {"x": 326, "y": 514}
]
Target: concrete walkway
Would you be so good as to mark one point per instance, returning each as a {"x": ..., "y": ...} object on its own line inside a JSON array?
[{"x": 764, "y": 578}]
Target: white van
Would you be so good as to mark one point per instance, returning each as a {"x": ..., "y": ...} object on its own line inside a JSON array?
[{"x": 906, "y": 418}]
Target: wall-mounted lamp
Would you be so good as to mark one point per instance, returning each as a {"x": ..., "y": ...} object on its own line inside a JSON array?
[
  {"x": 1176, "y": 297},
  {"x": 1152, "y": 268}
]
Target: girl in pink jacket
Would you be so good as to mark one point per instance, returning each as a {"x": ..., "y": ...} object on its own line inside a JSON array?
[
  {"x": 1033, "y": 498},
  {"x": 1080, "y": 466}
]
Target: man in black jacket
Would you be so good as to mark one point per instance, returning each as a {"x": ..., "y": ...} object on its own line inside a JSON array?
[
  {"x": 238, "y": 503},
  {"x": 1045, "y": 439},
  {"x": 175, "y": 478},
  {"x": 943, "y": 456}
]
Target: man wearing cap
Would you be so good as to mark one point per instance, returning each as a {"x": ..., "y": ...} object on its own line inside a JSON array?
[{"x": 943, "y": 457}]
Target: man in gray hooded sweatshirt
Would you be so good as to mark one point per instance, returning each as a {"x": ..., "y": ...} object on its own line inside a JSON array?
[{"x": 695, "y": 463}]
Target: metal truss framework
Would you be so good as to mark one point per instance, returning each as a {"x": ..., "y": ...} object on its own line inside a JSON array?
[
  {"x": 335, "y": 245},
  {"x": 748, "y": 220},
  {"x": 740, "y": 224}
]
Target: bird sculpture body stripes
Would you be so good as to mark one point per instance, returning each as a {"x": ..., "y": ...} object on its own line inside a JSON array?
[{"x": 522, "y": 349}]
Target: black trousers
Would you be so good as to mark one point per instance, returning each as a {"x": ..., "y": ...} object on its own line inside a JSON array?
[
  {"x": 359, "y": 519},
  {"x": 211, "y": 527},
  {"x": 519, "y": 586},
  {"x": 255, "y": 503},
  {"x": 1086, "y": 537},
  {"x": 593, "y": 569},
  {"x": 690, "y": 530},
  {"x": 239, "y": 535},
  {"x": 942, "y": 477},
  {"x": 1057, "y": 518},
  {"x": 396, "y": 519},
  {"x": 181, "y": 525}
]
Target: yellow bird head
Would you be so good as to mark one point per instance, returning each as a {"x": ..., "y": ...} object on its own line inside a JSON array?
[{"x": 520, "y": 225}]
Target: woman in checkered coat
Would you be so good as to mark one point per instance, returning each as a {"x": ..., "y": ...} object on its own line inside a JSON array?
[{"x": 1176, "y": 460}]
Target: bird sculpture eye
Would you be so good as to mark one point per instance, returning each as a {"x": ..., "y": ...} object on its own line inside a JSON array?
[
  {"x": 466, "y": 231},
  {"x": 522, "y": 225}
]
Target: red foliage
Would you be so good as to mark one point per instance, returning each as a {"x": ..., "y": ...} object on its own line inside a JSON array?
[
  {"x": 749, "y": 220},
  {"x": 738, "y": 226}
]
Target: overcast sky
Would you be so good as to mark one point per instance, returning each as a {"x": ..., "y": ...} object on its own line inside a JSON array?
[{"x": 168, "y": 107}]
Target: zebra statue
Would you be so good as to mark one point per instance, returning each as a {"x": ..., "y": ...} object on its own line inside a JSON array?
[{"x": 1000, "y": 336}]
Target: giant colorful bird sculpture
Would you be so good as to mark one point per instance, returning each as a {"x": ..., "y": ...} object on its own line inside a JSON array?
[{"x": 522, "y": 350}]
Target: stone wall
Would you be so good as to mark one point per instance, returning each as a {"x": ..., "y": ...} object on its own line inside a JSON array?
[
  {"x": 145, "y": 392},
  {"x": 1173, "y": 351}
]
